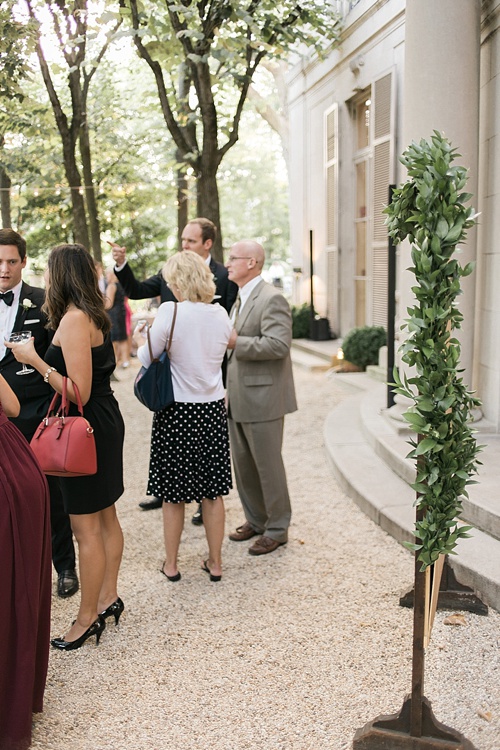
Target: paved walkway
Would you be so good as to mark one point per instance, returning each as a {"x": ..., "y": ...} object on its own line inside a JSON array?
[{"x": 292, "y": 651}]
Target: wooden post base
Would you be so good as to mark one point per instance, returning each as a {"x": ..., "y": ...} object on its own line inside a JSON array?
[
  {"x": 392, "y": 732},
  {"x": 452, "y": 595}
]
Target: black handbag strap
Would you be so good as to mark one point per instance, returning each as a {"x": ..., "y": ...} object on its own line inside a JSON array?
[{"x": 155, "y": 359}]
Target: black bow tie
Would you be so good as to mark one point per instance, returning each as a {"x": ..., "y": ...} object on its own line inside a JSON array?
[{"x": 8, "y": 297}]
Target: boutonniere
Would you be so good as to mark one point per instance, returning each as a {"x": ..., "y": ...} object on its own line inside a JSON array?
[{"x": 27, "y": 304}]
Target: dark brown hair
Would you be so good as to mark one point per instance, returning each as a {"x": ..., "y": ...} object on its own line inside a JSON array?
[
  {"x": 10, "y": 237},
  {"x": 73, "y": 280},
  {"x": 208, "y": 228}
]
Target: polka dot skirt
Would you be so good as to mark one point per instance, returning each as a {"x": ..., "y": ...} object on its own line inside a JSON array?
[{"x": 190, "y": 453}]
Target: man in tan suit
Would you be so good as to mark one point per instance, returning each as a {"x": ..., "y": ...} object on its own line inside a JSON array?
[{"x": 260, "y": 392}]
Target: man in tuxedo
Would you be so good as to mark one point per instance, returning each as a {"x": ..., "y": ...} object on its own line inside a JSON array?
[
  {"x": 20, "y": 309},
  {"x": 260, "y": 392},
  {"x": 199, "y": 236}
]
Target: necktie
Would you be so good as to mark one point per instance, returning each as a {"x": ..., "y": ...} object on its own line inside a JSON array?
[
  {"x": 8, "y": 297},
  {"x": 237, "y": 306}
]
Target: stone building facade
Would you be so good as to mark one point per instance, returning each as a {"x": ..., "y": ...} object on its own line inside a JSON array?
[{"x": 402, "y": 69}]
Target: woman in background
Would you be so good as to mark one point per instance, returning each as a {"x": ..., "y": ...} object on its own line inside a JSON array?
[
  {"x": 114, "y": 302},
  {"x": 25, "y": 580},
  {"x": 82, "y": 350},
  {"x": 189, "y": 444}
]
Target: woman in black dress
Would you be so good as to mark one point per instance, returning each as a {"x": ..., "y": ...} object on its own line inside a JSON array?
[
  {"x": 82, "y": 350},
  {"x": 25, "y": 580},
  {"x": 114, "y": 302}
]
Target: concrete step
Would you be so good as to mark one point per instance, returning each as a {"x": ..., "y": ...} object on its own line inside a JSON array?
[
  {"x": 324, "y": 350},
  {"x": 308, "y": 361},
  {"x": 385, "y": 496},
  {"x": 390, "y": 442}
]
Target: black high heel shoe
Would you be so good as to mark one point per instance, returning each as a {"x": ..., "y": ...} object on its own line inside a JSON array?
[
  {"x": 96, "y": 629},
  {"x": 207, "y": 570},
  {"x": 173, "y": 579},
  {"x": 114, "y": 609}
]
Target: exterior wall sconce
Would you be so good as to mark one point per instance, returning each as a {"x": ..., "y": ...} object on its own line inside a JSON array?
[{"x": 356, "y": 63}]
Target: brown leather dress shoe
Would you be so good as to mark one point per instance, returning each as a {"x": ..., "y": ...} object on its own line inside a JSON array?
[
  {"x": 243, "y": 533},
  {"x": 264, "y": 545}
]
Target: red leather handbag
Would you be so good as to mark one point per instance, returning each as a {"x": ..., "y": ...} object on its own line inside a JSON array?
[{"x": 65, "y": 446}]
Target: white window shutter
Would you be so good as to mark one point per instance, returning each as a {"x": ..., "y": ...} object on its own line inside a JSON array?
[
  {"x": 332, "y": 211},
  {"x": 383, "y": 106}
]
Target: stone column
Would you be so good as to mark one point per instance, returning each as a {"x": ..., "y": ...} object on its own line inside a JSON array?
[{"x": 441, "y": 92}]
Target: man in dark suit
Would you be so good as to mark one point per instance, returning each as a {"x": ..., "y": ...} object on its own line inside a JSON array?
[
  {"x": 260, "y": 392},
  {"x": 199, "y": 236},
  {"x": 20, "y": 309}
]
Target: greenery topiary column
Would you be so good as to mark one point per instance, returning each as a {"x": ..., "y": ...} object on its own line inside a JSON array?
[{"x": 430, "y": 211}]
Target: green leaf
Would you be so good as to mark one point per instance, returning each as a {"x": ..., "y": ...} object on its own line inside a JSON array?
[
  {"x": 454, "y": 234},
  {"x": 425, "y": 446},
  {"x": 442, "y": 228},
  {"x": 414, "y": 418}
]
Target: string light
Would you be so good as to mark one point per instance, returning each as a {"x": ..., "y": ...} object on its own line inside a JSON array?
[{"x": 36, "y": 190}]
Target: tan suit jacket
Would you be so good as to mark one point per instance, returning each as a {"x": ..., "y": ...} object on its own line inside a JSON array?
[
  {"x": 260, "y": 392},
  {"x": 259, "y": 374}
]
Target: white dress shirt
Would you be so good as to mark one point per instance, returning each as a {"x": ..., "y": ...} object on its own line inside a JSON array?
[
  {"x": 244, "y": 293},
  {"x": 8, "y": 317}
]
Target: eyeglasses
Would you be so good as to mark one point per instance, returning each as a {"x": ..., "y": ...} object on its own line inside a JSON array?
[{"x": 238, "y": 257}]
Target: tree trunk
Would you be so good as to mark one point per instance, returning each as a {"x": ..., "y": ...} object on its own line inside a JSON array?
[
  {"x": 80, "y": 229},
  {"x": 182, "y": 183},
  {"x": 5, "y": 185},
  {"x": 90, "y": 196},
  {"x": 182, "y": 201},
  {"x": 208, "y": 205},
  {"x": 68, "y": 131}
]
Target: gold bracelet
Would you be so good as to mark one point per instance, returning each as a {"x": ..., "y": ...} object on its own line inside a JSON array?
[{"x": 47, "y": 374}]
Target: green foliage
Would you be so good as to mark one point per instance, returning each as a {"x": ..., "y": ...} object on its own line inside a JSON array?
[
  {"x": 430, "y": 211},
  {"x": 204, "y": 57},
  {"x": 361, "y": 345},
  {"x": 15, "y": 44},
  {"x": 253, "y": 189},
  {"x": 301, "y": 320},
  {"x": 134, "y": 158}
]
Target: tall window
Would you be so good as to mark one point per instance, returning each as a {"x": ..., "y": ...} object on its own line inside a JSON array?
[
  {"x": 372, "y": 114},
  {"x": 362, "y": 123},
  {"x": 332, "y": 228}
]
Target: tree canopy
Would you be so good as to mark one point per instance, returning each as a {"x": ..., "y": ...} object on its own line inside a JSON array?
[
  {"x": 204, "y": 56},
  {"x": 110, "y": 168}
]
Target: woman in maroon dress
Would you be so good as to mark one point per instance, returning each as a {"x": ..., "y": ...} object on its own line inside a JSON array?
[{"x": 25, "y": 580}]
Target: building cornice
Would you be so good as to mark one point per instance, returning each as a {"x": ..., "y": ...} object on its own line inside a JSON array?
[{"x": 340, "y": 58}]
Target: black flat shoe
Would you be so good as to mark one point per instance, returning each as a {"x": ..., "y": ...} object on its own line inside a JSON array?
[
  {"x": 114, "y": 609},
  {"x": 155, "y": 502},
  {"x": 207, "y": 570},
  {"x": 173, "y": 579},
  {"x": 96, "y": 629},
  {"x": 197, "y": 518},
  {"x": 67, "y": 583}
]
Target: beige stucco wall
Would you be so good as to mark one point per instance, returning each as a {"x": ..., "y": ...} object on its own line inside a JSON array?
[
  {"x": 487, "y": 350},
  {"x": 375, "y": 31}
]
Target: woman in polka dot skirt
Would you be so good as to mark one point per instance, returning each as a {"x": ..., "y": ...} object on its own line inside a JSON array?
[{"x": 190, "y": 459}]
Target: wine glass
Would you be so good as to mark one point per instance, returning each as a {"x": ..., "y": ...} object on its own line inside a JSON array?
[{"x": 16, "y": 338}]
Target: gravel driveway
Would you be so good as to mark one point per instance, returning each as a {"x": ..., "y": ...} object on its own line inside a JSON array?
[{"x": 291, "y": 651}]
